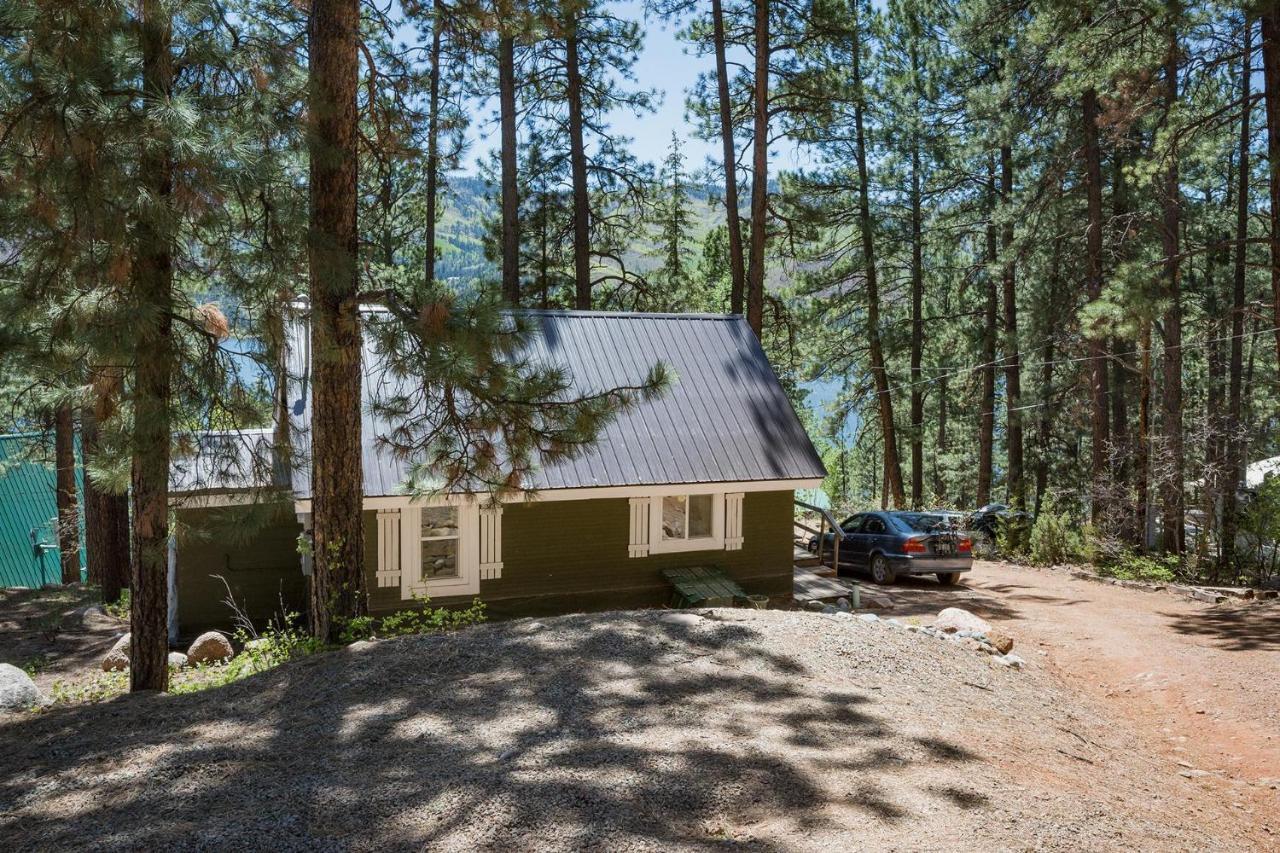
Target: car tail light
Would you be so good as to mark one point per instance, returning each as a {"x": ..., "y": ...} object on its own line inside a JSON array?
[
  {"x": 915, "y": 546},
  {"x": 964, "y": 544}
]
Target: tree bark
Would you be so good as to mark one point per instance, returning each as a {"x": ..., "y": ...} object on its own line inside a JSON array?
[
  {"x": 433, "y": 145},
  {"x": 64, "y": 452},
  {"x": 1171, "y": 491},
  {"x": 884, "y": 401},
  {"x": 153, "y": 359},
  {"x": 337, "y": 582},
  {"x": 733, "y": 217},
  {"x": 759, "y": 171},
  {"x": 1012, "y": 357},
  {"x": 917, "y": 318},
  {"x": 990, "y": 317},
  {"x": 106, "y": 521},
  {"x": 1270, "y": 19},
  {"x": 1099, "y": 436},
  {"x": 508, "y": 154},
  {"x": 1142, "y": 450},
  {"x": 578, "y": 166},
  {"x": 1232, "y": 427}
]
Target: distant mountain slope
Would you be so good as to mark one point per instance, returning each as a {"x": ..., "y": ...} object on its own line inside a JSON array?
[{"x": 470, "y": 203}]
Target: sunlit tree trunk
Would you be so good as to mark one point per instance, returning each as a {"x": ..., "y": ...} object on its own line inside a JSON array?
[
  {"x": 759, "y": 171},
  {"x": 1012, "y": 356},
  {"x": 64, "y": 451},
  {"x": 1099, "y": 433},
  {"x": 153, "y": 360},
  {"x": 733, "y": 217},
  {"x": 337, "y": 582},
  {"x": 578, "y": 168},
  {"x": 1171, "y": 465}
]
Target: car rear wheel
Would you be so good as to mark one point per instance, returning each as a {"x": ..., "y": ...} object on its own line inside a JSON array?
[
  {"x": 948, "y": 578},
  {"x": 880, "y": 571}
]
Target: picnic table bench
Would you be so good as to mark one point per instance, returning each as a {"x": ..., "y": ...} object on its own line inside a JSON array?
[{"x": 703, "y": 586}]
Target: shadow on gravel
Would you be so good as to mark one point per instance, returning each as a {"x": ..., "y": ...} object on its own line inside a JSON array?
[
  {"x": 1246, "y": 628},
  {"x": 638, "y": 730}
]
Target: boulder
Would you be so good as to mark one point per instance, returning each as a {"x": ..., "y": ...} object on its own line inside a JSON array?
[
  {"x": 954, "y": 620},
  {"x": 116, "y": 660},
  {"x": 177, "y": 660},
  {"x": 17, "y": 690},
  {"x": 1001, "y": 639},
  {"x": 209, "y": 647}
]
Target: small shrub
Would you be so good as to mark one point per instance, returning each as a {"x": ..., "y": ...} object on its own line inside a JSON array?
[
  {"x": 355, "y": 629},
  {"x": 118, "y": 609},
  {"x": 1055, "y": 538},
  {"x": 1143, "y": 567},
  {"x": 431, "y": 620}
]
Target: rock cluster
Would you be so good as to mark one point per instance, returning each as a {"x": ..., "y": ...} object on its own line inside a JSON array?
[
  {"x": 208, "y": 648},
  {"x": 952, "y": 624}
]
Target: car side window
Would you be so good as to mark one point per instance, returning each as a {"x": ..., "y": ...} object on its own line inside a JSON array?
[
  {"x": 874, "y": 524},
  {"x": 852, "y": 523}
]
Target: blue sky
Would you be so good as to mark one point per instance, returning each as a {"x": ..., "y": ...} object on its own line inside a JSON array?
[{"x": 667, "y": 65}]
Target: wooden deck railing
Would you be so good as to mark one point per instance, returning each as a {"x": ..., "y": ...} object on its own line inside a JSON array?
[{"x": 826, "y": 520}]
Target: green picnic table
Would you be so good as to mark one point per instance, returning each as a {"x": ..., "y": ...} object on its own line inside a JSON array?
[{"x": 703, "y": 586}]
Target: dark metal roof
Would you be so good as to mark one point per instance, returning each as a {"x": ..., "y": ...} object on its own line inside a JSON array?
[{"x": 724, "y": 419}]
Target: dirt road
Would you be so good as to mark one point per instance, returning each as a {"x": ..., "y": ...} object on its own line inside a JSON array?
[{"x": 1198, "y": 683}]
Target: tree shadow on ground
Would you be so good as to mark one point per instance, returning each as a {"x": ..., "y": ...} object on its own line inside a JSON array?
[
  {"x": 1253, "y": 627},
  {"x": 639, "y": 729}
]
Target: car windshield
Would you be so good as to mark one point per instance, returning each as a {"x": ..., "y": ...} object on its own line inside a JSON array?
[{"x": 921, "y": 522}]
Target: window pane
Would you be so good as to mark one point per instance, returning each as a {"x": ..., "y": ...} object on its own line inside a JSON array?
[
  {"x": 700, "y": 509},
  {"x": 439, "y": 521},
  {"x": 673, "y": 517},
  {"x": 439, "y": 559}
]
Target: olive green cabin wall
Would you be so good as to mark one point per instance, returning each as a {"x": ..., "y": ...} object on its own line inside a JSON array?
[
  {"x": 254, "y": 548},
  {"x": 558, "y": 557},
  {"x": 566, "y": 556}
]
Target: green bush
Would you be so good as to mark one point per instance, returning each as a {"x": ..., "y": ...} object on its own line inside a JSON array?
[
  {"x": 118, "y": 609},
  {"x": 1143, "y": 567},
  {"x": 431, "y": 620},
  {"x": 1055, "y": 538}
]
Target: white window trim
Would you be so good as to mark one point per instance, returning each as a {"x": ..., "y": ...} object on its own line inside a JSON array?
[
  {"x": 468, "y": 580},
  {"x": 714, "y": 542}
]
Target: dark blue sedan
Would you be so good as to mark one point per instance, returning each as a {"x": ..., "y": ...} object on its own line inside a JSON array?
[{"x": 893, "y": 544}]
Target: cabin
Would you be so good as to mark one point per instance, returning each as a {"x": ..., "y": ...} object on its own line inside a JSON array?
[{"x": 704, "y": 474}]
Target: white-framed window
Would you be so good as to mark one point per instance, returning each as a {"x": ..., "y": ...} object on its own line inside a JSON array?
[
  {"x": 438, "y": 549},
  {"x": 688, "y": 521}
]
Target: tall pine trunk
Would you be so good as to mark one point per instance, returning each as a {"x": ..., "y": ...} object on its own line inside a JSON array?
[
  {"x": 1270, "y": 19},
  {"x": 578, "y": 167},
  {"x": 153, "y": 359},
  {"x": 337, "y": 581},
  {"x": 1142, "y": 451},
  {"x": 1171, "y": 465},
  {"x": 990, "y": 321},
  {"x": 1232, "y": 426},
  {"x": 917, "y": 317},
  {"x": 733, "y": 217},
  {"x": 433, "y": 144},
  {"x": 893, "y": 488},
  {"x": 507, "y": 156},
  {"x": 1012, "y": 357},
  {"x": 759, "y": 170},
  {"x": 64, "y": 452},
  {"x": 106, "y": 520},
  {"x": 1099, "y": 432}
]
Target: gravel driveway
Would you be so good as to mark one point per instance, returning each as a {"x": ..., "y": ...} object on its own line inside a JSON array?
[{"x": 635, "y": 730}]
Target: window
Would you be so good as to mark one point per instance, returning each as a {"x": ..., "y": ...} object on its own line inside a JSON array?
[
  {"x": 873, "y": 525},
  {"x": 687, "y": 517},
  {"x": 685, "y": 522},
  {"x": 439, "y": 543}
]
